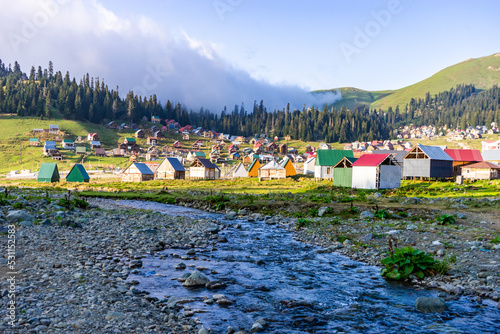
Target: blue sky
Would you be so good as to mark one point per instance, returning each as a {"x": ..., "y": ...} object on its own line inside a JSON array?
[{"x": 220, "y": 52}]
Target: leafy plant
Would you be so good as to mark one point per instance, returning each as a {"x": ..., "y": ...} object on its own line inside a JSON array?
[
  {"x": 496, "y": 240},
  {"x": 406, "y": 261},
  {"x": 443, "y": 266},
  {"x": 446, "y": 220},
  {"x": 302, "y": 223},
  {"x": 64, "y": 202},
  {"x": 18, "y": 205},
  {"x": 80, "y": 203},
  {"x": 382, "y": 214}
]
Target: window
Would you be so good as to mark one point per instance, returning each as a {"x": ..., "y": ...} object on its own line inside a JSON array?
[{"x": 328, "y": 170}]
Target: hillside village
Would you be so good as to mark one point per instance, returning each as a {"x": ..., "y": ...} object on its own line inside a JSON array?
[{"x": 163, "y": 149}]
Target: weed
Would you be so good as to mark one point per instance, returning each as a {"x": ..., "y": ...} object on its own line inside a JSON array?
[
  {"x": 443, "y": 266},
  {"x": 406, "y": 261},
  {"x": 382, "y": 214},
  {"x": 18, "y": 205},
  {"x": 302, "y": 223},
  {"x": 446, "y": 220},
  {"x": 496, "y": 240}
]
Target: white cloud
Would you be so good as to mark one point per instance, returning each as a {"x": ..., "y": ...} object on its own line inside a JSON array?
[{"x": 135, "y": 53}]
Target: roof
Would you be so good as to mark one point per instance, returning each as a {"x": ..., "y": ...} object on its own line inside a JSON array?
[
  {"x": 100, "y": 150},
  {"x": 143, "y": 168},
  {"x": 482, "y": 164},
  {"x": 53, "y": 126},
  {"x": 47, "y": 170},
  {"x": 331, "y": 157},
  {"x": 491, "y": 155},
  {"x": 397, "y": 155},
  {"x": 95, "y": 142},
  {"x": 252, "y": 164},
  {"x": 207, "y": 163},
  {"x": 434, "y": 152},
  {"x": 284, "y": 161},
  {"x": 199, "y": 154},
  {"x": 48, "y": 142},
  {"x": 81, "y": 169},
  {"x": 370, "y": 160},
  {"x": 34, "y": 139},
  {"x": 68, "y": 141},
  {"x": 271, "y": 165},
  {"x": 81, "y": 149},
  {"x": 464, "y": 155},
  {"x": 130, "y": 140},
  {"x": 176, "y": 164}
]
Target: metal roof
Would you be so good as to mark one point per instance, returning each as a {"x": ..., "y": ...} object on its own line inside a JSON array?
[
  {"x": 491, "y": 155},
  {"x": 331, "y": 157},
  {"x": 143, "y": 168},
  {"x": 176, "y": 164},
  {"x": 370, "y": 160},
  {"x": 434, "y": 152},
  {"x": 272, "y": 165},
  {"x": 207, "y": 163},
  {"x": 482, "y": 164},
  {"x": 464, "y": 155}
]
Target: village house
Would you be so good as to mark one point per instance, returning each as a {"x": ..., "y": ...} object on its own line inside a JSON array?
[
  {"x": 78, "y": 174},
  {"x": 248, "y": 159},
  {"x": 272, "y": 170},
  {"x": 271, "y": 148},
  {"x": 283, "y": 149},
  {"x": 427, "y": 161},
  {"x": 309, "y": 165},
  {"x": 137, "y": 172},
  {"x": 34, "y": 142},
  {"x": 152, "y": 141},
  {"x": 481, "y": 171},
  {"x": 81, "y": 150},
  {"x": 48, "y": 172},
  {"x": 118, "y": 152},
  {"x": 100, "y": 152},
  {"x": 326, "y": 159},
  {"x": 185, "y": 136},
  {"x": 203, "y": 169},
  {"x": 155, "y": 119},
  {"x": 49, "y": 148},
  {"x": 463, "y": 157},
  {"x": 491, "y": 156},
  {"x": 170, "y": 169},
  {"x": 342, "y": 172},
  {"x": 140, "y": 134},
  {"x": 490, "y": 145},
  {"x": 53, "y": 129},
  {"x": 237, "y": 171},
  {"x": 177, "y": 144},
  {"x": 376, "y": 171},
  {"x": 158, "y": 134},
  {"x": 68, "y": 144},
  {"x": 95, "y": 144},
  {"x": 112, "y": 125},
  {"x": 196, "y": 146},
  {"x": 93, "y": 137},
  {"x": 195, "y": 154},
  {"x": 253, "y": 169},
  {"x": 289, "y": 167},
  {"x": 324, "y": 146}
]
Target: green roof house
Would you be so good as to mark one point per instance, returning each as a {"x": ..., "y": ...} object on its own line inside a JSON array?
[
  {"x": 81, "y": 149},
  {"x": 78, "y": 174},
  {"x": 326, "y": 159},
  {"x": 48, "y": 172}
]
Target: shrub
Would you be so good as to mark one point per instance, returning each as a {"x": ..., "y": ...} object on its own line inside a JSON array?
[
  {"x": 80, "y": 203},
  {"x": 496, "y": 240},
  {"x": 446, "y": 219},
  {"x": 406, "y": 261},
  {"x": 443, "y": 266},
  {"x": 382, "y": 214},
  {"x": 18, "y": 205},
  {"x": 302, "y": 223}
]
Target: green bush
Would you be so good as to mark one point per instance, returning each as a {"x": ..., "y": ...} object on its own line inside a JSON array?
[
  {"x": 382, "y": 214},
  {"x": 443, "y": 266},
  {"x": 406, "y": 261},
  {"x": 446, "y": 219},
  {"x": 18, "y": 205},
  {"x": 302, "y": 223},
  {"x": 496, "y": 240},
  {"x": 80, "y": 203}
]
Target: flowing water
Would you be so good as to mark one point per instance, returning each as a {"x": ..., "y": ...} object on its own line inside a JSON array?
[{"x": 270, "y": 275}]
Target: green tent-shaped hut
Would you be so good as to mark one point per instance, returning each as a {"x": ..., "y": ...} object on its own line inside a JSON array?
[
  {"x": 78, "y": 174},
  {"x": 48, "y": 172}
]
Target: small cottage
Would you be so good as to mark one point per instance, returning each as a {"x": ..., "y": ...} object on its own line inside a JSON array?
[
  {"x": 78, "y": 174},
  {"x": 463, "y": 157},
  {"x": 271, "y": 170},
  {"x": 81, "y": 150},
  {"x": 137, "y": 172},
  {"x": 203, "y": 169},
  {"x": 140, "y": 134},
  {"x": 237, "y": 171},
  {"x": 53, "y": 129},
  {"x": 289, "y": 167},
  {"x": 170, "y": 169},
  {"x": 95, "y": 144},
  {"x": 309, "y": 165},
  {"x": 185, "y": 136},
  {"x": 326, "y": 159},
  {"x": 253, "y": 169},
  {"x": 491, "y": 156},
  {"x": 177, "y": 144},
  {"x": 342, "y": 172},
  {"x": 152, "y": 141},
  {"x": 155, "y": 119},
  {"x": 196, "y": 154},
  {"x": 283, "y": 149},
  {"x": 48, "y": 172},
  {"x": 49, "y": 148},
  {"x": 68, "y": 144},
  {"x": 93, "y": 137},
  {"x": 34, "y": 142},
  {"x": 100, "y": 152},
  {"x": 129, "y": 141},
  {"x": 248, "y": 159},
  {"x": 427, "y": 161},
  {"x": 376, "y": 171},
  {"x": 118, "y": 152},
  {"x": 481, "y": 171},
  {"x": 112, "y": 125}
]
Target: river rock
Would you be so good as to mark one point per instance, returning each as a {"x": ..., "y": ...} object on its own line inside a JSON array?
[
  {"x": 118, "y": 316},
  {"x": 430, "y": 304},
  {"x": 180, "y": 266},
  {"x": 231, "y": 215},
  {"x": 16, "y": 216},
  {"x": 461, "y": 216},
  {"x": 367, "y": 238},
  {"x": 323, "y": 210},
  {"x": 215, "y": 285},
  {"x": 196, "y": 279},
  {"x": 214, "y": 228},
  {"x": 366, "y": 215}
]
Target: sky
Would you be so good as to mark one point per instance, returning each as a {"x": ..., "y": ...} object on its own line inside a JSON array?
[{"x": 216, "y": 53}]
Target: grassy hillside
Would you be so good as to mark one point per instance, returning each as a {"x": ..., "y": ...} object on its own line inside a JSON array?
[{"x": 482, "y": 72}]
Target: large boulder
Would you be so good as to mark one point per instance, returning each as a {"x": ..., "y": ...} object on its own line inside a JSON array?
[
  {"x": 430, "y": 304},
  {"x": 17, "y": 216},
  {"x": 196, "y": 279}
]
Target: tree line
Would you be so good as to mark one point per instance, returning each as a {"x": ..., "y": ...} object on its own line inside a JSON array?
[{"x": 43, "y": 91}]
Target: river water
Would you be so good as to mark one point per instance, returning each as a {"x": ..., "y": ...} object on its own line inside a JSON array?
[{"x": 271, "y": 275}]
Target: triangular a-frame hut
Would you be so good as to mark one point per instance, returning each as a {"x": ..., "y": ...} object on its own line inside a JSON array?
[
  {"x": 288, "y": 165},
  {"x": 48, "y": 172},
  {"x": 253, "y": 170},
  {"x": 77, "y": 174}
]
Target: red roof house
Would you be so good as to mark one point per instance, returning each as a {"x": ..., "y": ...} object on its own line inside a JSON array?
[
  {"x": 462, "y": 158},
  {"x": 376, "y": 171}
]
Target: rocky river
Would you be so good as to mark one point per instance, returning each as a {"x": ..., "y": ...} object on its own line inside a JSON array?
[{"x": 140, "y": 267}]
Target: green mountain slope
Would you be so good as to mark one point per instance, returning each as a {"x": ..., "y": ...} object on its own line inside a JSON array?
[{"x": 482, "y": 72}]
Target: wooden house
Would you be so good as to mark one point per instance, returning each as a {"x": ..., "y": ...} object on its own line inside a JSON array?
[
  {"x": 491, "y": 156},
  {"x": 185, "y": 136},
  {"x": 324, "y": 146},
  {"x": 78, "y": 174},
  {"x": 118, "y": 152},
  {"x": 253, "y": 169},
  {"x": 203, "y": 169},
  {"x": 481, "y": 171},
  {"x": 170, "y": 169},
  {"x": 283, "y": 149},
  {"x": 129, "y": 141},
  {"x": 272, "y": 170},
  {"x": 137, "y": 172},
  {"x": 81, "y": 150},
  {"x": 53, "y": 129},
  {"x": 237, "y": 171},
  {"x": 93, "y": 137},
  {"x": 152, "y": 141},
  {"x": 289, "y": 167},
  {"x": 342, "y": 172},
  {"x": 427, "y": 161},
  {"x": 158, "y": 134},
  {"x": 100, "y": 152},
  {"x": 155, "y": 119},
  {"x": 326, "y": 159},
  {"x": 177, "y": 144},
  {"x": 49, "y": 148},
  {"x": 192, "y": 155},
  {"x": 34, "y": 142},
  {"x": 271, "y": 147},
  {"x": 95, "y": 144},
  {"x": 309, "y": 165},
  {"x": 463, "y": 157},
  {"x": 196, "y": 146},
  {"x": 234, "y": 156},
  {"x": 248, "y": 159},
  {"x": 376, "y": 171},
  {"x": 48, "y": 172},
  {"x": 112, "y": 125},
  {"x": 68, "y": 144},
  {"x": 140, "y": 134}
]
